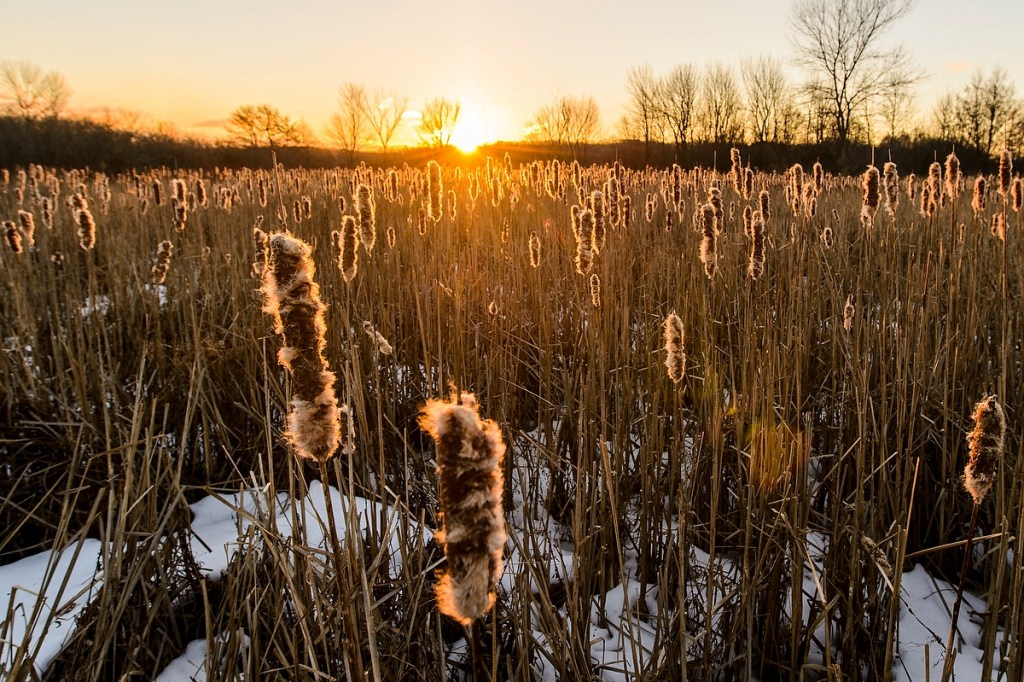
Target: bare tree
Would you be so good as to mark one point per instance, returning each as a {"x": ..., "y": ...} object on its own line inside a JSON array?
[
  {"x": 349, "y": 126},
  {"x": 720, "y": 105},
  {"x": 837, "y": 43},
  {"x": 27, "y": 91},
  {"x": 261, "y": 125},
  {"x": 676, "y": 99},
  {"x": 384, "y": 112},
  {"x": 985, "y": 111},
  {"x": 569, "y": 122},
  {"x": 944, "y": 117},
  {"x": 766, "y": 90},
  {"x": 896, "y": 104},
  {"x": 438, "y": 123},
  {"x": 643, "y": 106}
]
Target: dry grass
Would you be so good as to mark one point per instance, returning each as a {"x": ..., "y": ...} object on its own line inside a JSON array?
[{"x": 121, "y": 403}]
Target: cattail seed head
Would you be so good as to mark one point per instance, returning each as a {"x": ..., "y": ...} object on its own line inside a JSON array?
[
  {"x": 380, "y": 343},
  {"x": 748, "y": 216},
  {"x": 12, "y": 236},
  {"x": 260, "y": 239},
  {"x": 534, "y": 250},
  {"x": 367, "y": 224},
  {"x": 1016, "y": 195},
  {"x": 163, "y": 261},
  {"x": 708, "y": 243},
  {"x": 827, "y": 239},
  {"x": 1005, "y": 169},
  {"x": 346, "y": 247},
  {"x": 952, "y": 176},
  {"x": 871, "y": 196},
  {"x": 469, "y": 467},
  {"x": 585, "y": 247},
  {"x": 390, "y": 234},
  {"x": 986, "y": 447},
  {"x": 755, "y": 268},
  {"x": 764, "y": 203},
  {"x": 891, "y": 186},
  {"x": 435, "y": 191},
  {"x": 292, "y": 299},
  {"x": 28, "y": 227},
  {"x": 596, "y": 204},
  {"x": 595, "y": 290},
  {"x": 999, "y": 226},
  {"x": 180, "y": 214},
  {"x": 978, "y": 200},
  {"x": 86, "y": 229},
  {"x": 848, "y": 312},
  {"x": 676, "y": 354},
  {"x": 819, "y": 177}
]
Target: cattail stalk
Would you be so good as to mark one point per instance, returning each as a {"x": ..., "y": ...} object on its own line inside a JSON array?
[{"x": 469, "y": 457}]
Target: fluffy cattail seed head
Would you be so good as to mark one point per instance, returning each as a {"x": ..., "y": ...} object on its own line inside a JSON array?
[
  {"x": 755, "y": 267},
  {"x": 163, "y": 261},
  {"x": 28, "y": 227},
  {"x": 595, "y": 290},
  {"x": 534, "y": 250},
  {"x": 292, "y": 299},
  {"x": 978, "y": 200},
  {"x": 12, "y": 236},
  {"x": 764, "y": 203},
  {"x": 435, "y": 191},
  {"x": 986, "y": 444},
  {"x": 1016, "y": 195},
  {"x": 952, "y": 176},
  {"x": 676, "y": 354},
  {"x": 871, "y": 196},
  {"x": 848, "y": 311},
  {"x": 891, "y": 185},
  {"x": 346, "y": 247},
  {"x": 469, "y": 467},
  {"x": 1005, "y": 169},
  {"x": 86, "y": 229},
  {"x": 709, "y": 241},
  {"x": 585, "y": 247}
]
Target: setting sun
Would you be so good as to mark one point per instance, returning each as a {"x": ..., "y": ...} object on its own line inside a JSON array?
[{"x": 471, "y": 130}]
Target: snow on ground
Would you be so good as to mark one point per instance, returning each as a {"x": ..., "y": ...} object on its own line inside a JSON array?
[{"x": 47, "y": 591}]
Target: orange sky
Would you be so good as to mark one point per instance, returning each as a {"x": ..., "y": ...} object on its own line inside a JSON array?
[{"x": 192, "y": 62}]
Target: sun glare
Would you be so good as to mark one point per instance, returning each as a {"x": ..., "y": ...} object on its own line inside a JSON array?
[{"x": 471, "y": 130}]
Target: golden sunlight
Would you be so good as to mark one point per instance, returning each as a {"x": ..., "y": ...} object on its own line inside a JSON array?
[{"x": 471, "y": 130}]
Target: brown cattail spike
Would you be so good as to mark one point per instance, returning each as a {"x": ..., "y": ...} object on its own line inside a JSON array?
[
  {"x": 871, "y": 196},
  {"x": 469, "y": 466},
  {"x": 292, "y": 299},
  {"x": 367, "y": 225},
  {"x": 1005, "y": 169},
  {"x": 986, "y": 439}
]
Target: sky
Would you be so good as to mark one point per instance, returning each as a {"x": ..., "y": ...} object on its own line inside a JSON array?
[{"x": 192, "y": 62}]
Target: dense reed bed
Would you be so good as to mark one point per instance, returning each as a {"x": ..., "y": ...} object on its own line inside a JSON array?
[{"x": 762, "y": 496}]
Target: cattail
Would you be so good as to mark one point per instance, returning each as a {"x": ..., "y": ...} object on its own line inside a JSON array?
[
  {"x": 952, "y": 176},
  {"x": 755, "y": 267},
  {"x": 28, "y": 227},
  {"x": 367, "y": 224},
  {"x": 13, "y": 236},
  {"x": 810, "y": 200},
  {"x": 927, "y": 205},
  {"x": 381, "y": 343},
  {"x": 748, "y": 216},
  {"x": 307, "y": 208},
  {"x": 986, "y": 441},
  {"x": 180, "y": 214},
  {"x": 492, "y": 309},
  {"x": 870, "y": 205},
  {"x": 827, "y": 240},
  {"x": 435, "y": 191},
  {"x": 390, "y": 234},
  {"x": 1005, "y": 168},
  {"x": 292, "y": 299},
  {"x": 911, "y": 187},
  {"x": 261, "y": 192},
  {"x": 469, "y": 467},
  {"x": 345, "y": 247},
  {"x": 201, "y": 196},
  {"x": 86, "y": 229},
  {"x": 297, "y": 211},
  {"x": 764, "y": 204},
  {"x": 179, "y": 190},
  {"x": 163, "y": 262},
  {"x": 674, "y": 337},
  {"x": 625, "y": 211},
  {"x": 597, "y": 207},
  {"x": 649, "y": 206},
  {"x": 848, "y": 311},
  {"x": 1016, "y": 194},
  {"x": 158, "y": 192},
  {"x": 392, "y": 185},
  {"x": 935, "y": 189},
  {"x": 708, "y": 244},
  {"x": 796, "y": 183},
  {"x": 978, "y": 200},
  {"x": 46, "y": 210},
  {"x": 585, "y": 242},
  {"x": 891, "y": 186},
  {"x": 58, "y": 260},
  {"x": 261, "y": 240},
  {"x": 534, "y": 250},
  {"x": 819, "y": 177},
  {"x": 715, "y": 201},
  {"x": 999, "y": 226},
  {"x": 670, "y": 217},
  {"x": 611, "y": 195},
  {"x": 736, "y": 169},
  {"x": 595, "y": 290}
]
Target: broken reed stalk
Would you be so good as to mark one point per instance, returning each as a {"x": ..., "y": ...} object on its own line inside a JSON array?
[
  {"x": 469, "y": 466},
  {"x": 987, "y": 440}
]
